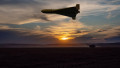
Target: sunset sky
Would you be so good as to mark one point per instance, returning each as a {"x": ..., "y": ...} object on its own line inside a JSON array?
[{"x": 21, "y": 21}]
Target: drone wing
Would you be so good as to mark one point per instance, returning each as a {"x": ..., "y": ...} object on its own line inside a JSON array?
[{"x": 70, "y": 11}]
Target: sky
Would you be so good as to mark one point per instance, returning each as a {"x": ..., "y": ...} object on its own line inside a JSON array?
[{"x": 21, "y": 21}]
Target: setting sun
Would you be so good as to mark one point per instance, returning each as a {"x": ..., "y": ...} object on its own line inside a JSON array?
[{"x": 65, "y": 38}]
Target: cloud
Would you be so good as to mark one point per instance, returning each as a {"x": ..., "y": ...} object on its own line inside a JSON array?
[
  {"x": 37, "y": 27},
  {"x": 21, "y": 12},
  {"x": 112, "y": 32},
  {"x": 15, "y": 2},
  {"x": 72, "y": 30},
  {"x": 69, "y": 29},
  {"x": 111, "y": 2},
  {"x": 2, "y": 27},
  {"x": 101, "y": 34},
  {"x": 5, "y": 27},
  {"x": 15, "y": 37},
  {"x": 28, "y": 11}
]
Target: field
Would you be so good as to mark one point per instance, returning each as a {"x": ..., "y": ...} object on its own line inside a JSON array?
[{"x": 60, "y": 57}]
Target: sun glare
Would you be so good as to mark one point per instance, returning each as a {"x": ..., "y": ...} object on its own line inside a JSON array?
[{"x": 64, "y": 38}]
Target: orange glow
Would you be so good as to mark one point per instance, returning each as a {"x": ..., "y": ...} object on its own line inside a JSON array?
[{"x": 64, "y": 38}]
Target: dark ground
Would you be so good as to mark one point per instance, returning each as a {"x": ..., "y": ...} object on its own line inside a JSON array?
[{"x": 60, "y": 58}]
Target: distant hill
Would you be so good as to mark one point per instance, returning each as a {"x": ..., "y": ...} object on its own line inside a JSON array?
[{"x": 14, "y": 45}]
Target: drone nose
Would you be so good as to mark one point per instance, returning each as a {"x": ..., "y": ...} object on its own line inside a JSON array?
[{"x": 42, "y": 10}]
